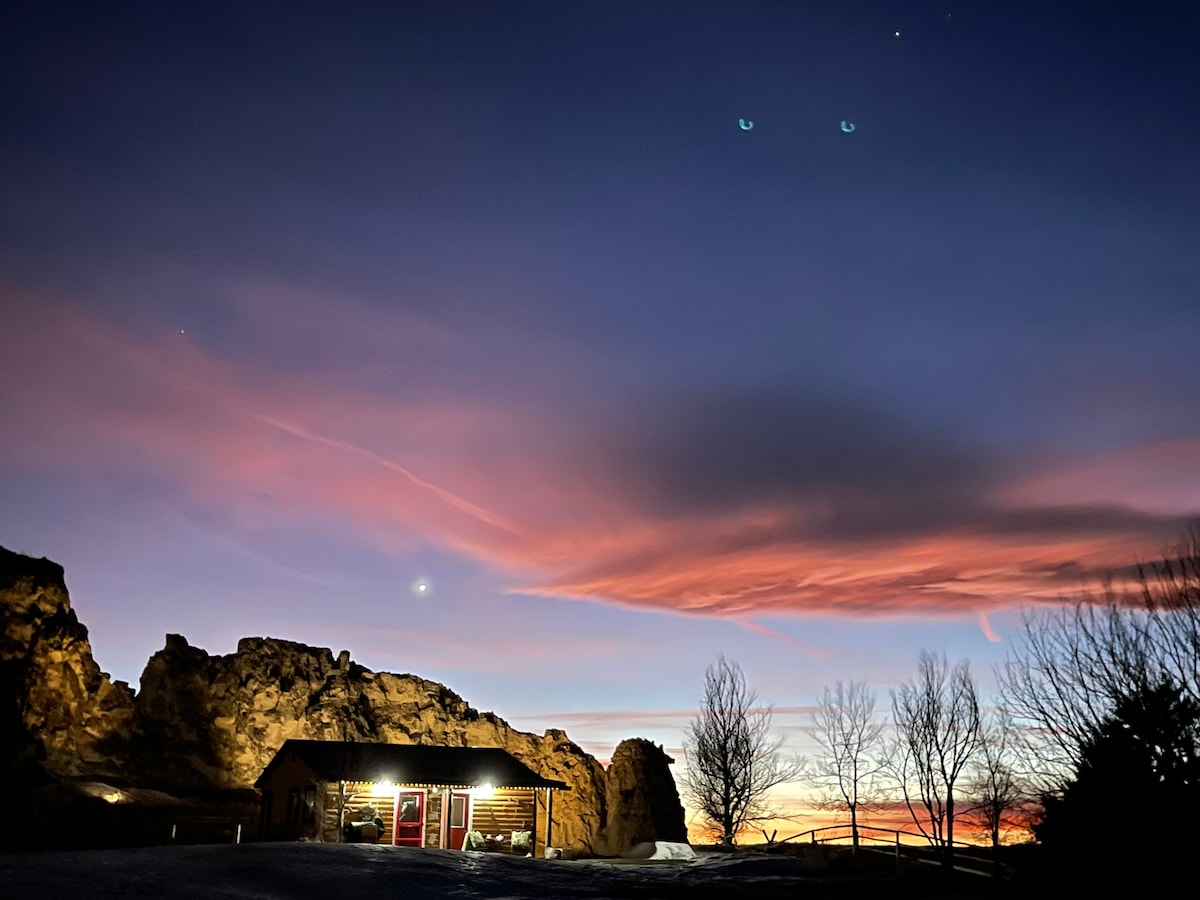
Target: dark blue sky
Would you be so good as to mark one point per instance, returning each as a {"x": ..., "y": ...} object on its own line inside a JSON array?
[{"x": 308, "y": 302}]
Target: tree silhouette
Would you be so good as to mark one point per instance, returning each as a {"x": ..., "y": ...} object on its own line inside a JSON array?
[
  {"x": 850, "y": 741},
  {"x": 995, "y": 787},
  {"x": 1072, "y": 666},
  {"x": 1146, "y": 754},
  {"x": 731, "y": 762},
  {"x": 938, "y": 731}
]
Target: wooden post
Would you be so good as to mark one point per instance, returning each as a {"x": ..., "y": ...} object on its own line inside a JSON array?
[
  {"x": 341, "y": 809},
  {"x": 444, "y": 827},
  {"x": 533, "y": 827},
  {"x": 897, "y": 849},
  {"x": 549, "y": 815}
]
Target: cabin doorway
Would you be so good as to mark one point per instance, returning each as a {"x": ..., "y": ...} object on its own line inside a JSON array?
[
  {"x": 409, "y": 827},
  {"x": 458, "y": 817}
]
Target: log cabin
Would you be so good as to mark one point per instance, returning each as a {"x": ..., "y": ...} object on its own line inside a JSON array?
[{"x": 408, "y": 795}]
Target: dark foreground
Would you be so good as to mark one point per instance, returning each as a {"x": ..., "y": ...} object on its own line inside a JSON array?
[{"x": 357, "y": 871}]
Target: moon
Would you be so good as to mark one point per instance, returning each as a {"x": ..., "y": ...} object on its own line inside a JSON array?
[
  {"x": 745, "y": 124},
  {"x": 847, "y": 126}
]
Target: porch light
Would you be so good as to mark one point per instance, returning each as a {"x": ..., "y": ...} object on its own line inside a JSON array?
[
  {"x": 485, "y": 791},
  {"x": 386, "y": 786}
]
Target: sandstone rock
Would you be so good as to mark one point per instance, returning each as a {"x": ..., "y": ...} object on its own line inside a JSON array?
[
  {"x": 58, "y": 707},
  {"x": 643, "y": 802}
]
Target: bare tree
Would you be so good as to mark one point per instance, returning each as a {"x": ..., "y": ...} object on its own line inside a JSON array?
[
  {"x": 1072, "y": 665},
  {"x": 1066, "y": 671},
  {"x": 998, "y": 793},
  {"x": 938, "y": 730},
  {"x": 731, "y": 761},
  {"x": 851, "y": 744}
]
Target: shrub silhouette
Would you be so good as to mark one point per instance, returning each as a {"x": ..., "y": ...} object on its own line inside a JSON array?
[{"x": 1139, "y": 771}]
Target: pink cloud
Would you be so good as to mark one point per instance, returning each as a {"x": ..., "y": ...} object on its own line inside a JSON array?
[
  {"x": 986, "y": 627},
  {"x": 266, "y": 446},
  {"x": 1161, "y": 477}
]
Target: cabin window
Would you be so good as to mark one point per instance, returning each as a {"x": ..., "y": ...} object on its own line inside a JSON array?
[{"x": 458, "y": 811}]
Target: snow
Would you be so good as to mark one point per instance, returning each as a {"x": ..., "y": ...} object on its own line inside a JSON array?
[
  {"x": 356, "y": 871},
  {"x": 660, "y": 850}
]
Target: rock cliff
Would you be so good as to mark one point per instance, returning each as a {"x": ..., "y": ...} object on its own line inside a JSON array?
[
  {"x": 59, "y": 709},
  {"x": 200, "y": 722}
]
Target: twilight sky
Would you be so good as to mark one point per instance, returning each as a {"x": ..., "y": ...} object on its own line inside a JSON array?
[{"x": 306, "y": 304}]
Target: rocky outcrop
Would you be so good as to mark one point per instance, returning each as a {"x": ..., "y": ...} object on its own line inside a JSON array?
[
  {"x": 217, "y": 721},
  {"x": 643, "y": 802},
  {"x": 200, "y": 722},
  {"x": 60, "y": 712}
]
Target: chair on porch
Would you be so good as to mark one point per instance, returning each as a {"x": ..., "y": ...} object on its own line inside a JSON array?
[{"x": 473, "y": 840}]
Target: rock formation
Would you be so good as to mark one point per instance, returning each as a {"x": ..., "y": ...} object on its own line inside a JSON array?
[
  {"x": 643, "y": 802},
  {"x": 59, "y": 709},
  {"x": 200, "y": 722}
]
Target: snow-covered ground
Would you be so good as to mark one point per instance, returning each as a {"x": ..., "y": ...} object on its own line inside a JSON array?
[{"x": 367, "y": 872}]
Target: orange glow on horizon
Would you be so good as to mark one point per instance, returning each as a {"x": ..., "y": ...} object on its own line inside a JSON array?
[{"x": 877, "y": 826}]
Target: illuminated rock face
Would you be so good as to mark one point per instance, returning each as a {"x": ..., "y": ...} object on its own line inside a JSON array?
[
  {"x": 57, "y": 709},
  {"x": 201, "y": 721}
]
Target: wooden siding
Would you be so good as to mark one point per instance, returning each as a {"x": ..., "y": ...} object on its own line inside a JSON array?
[
  {"x": 361, "y": 798},
  {"x": 506, "y": 811}
]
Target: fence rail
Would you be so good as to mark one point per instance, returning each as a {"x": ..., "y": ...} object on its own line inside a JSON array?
[{"x": 924, "y": 852}]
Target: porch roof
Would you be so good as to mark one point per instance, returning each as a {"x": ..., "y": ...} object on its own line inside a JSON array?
[{"x": 410, "y": 764}]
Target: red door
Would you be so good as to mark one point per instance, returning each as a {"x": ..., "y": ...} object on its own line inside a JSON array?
[
  {"x": 459, "y": 818},
  {"x": 409, "y": 828}
]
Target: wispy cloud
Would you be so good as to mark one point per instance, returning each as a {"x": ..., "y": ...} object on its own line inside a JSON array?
[
  {"x": 673, "y": 717},
  {"x": 812, "y": 652},
  {"x": 986, "y": 627}
]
